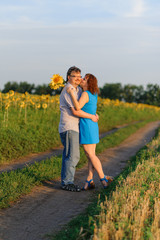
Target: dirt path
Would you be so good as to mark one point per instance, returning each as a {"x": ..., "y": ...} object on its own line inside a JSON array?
[{"x": 48, "y": 208}]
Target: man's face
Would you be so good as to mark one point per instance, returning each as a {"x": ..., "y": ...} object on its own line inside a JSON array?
[{"x": 75, "y": 78}]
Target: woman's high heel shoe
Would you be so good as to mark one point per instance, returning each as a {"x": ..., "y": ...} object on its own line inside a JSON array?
[
  {"x": 90, "y": 186},
  {"x": 107, "y": 179}
]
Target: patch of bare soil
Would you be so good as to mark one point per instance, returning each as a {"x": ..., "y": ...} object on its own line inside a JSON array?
[{"x": 48, "y": 208}]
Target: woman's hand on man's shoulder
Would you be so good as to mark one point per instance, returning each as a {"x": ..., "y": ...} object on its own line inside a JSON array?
[{"x": 69, "y": 89}]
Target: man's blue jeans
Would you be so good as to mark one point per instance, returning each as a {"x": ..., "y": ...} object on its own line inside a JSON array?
[{"x": 71, "y": 156}]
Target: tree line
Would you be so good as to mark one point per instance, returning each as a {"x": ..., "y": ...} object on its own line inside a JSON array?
[
  {"x": 128, "y": 93},
  {"x": 23, "y": 87},
  {"x": 132, "y": 93}
]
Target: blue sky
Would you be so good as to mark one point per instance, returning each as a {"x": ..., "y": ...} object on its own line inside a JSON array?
[{"x": 117, "y": 41}]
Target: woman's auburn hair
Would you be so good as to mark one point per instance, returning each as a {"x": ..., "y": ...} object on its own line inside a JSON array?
[{"x": 92, "y": 83}]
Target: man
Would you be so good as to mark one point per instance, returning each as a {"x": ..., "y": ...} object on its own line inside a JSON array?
[{"x": 69, "y": 130}]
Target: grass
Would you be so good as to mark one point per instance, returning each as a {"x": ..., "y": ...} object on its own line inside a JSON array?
[
  {"x": 21, "y": 181},
  {"x": 16, "y": 183},
  {"x": 129, "y": 209},
  {"x": 19, "y": 139}
]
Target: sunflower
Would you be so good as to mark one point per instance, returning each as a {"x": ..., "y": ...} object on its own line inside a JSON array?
[
  {"x": 7, "y": 105},
  {"x": 11, "y": 93},
  {"x": 22, "y": 104},
  {"x": 38, "y": 105},
  {"x": 44, "y": 105},
  {"x": 6, "y": 96},
  {"x": 57, "y": 82}
]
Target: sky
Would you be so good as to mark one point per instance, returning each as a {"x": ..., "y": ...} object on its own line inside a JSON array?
[{"x": 116, "y": 40}]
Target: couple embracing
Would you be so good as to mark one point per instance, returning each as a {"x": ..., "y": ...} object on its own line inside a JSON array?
[{"x": 79, "y": 125}]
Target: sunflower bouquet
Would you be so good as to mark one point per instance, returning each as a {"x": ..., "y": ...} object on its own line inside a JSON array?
[{"x": 57, "y": 81}]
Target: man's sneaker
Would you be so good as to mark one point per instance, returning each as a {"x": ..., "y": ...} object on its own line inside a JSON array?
[{"x": 71, "y": 187}]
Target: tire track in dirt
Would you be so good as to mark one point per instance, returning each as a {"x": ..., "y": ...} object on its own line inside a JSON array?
[{"x": 47, "y": 208}]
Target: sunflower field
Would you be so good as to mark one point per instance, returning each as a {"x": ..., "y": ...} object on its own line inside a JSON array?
[{"x": 29, "y": 123}]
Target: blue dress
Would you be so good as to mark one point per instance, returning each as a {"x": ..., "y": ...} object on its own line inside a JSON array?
[{"x": 89, "y": 131}]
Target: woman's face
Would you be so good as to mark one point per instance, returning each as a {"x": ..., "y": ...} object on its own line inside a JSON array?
[{"x": 83, "y": 83}]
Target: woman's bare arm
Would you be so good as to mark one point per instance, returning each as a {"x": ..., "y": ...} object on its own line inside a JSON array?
[
  {"x": 83, "y": 114},
  {"x": 82, "y": 101}
]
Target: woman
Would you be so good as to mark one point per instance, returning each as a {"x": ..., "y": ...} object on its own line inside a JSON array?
[{"x": 89, "y": 132}]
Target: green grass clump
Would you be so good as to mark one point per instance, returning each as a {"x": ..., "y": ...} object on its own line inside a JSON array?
[{"x": 21, "y": 181}]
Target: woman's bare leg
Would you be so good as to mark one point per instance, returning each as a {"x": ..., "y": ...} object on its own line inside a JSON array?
[
  {"x": 90, "y": 172},
  {"x": 96, "y": 163}
]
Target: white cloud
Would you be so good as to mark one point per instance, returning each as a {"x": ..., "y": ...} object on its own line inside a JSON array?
[{"x": 138, "y": 9}]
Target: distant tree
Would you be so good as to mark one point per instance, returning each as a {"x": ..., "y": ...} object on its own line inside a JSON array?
[
  {"x": 152, "y": 95},
  {"x": 43, "y": 89},
  {"x": 111, "y": 90},
  {"x": 133, "y": 93},
  {"x": 58, "y": 91},
  {"x": 158, "y": 97},
  {"x": 139, "y": 94},
  {"x": 25, "y": 87},
  {"x": 21, "y": 87},
  {"x": 10, "y": 86}
]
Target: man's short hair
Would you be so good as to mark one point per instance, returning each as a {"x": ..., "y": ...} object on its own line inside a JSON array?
[{"x": 72, "y": 69}]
